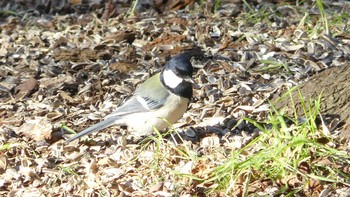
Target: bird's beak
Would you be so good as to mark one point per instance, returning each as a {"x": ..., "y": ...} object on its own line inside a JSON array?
[{"x": 190, "y": 80}]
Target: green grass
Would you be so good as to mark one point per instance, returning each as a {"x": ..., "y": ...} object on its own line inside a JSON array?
[
  {"x": 281, "y": 151},
  {"x": 8, "y": 12},
  {"x": 67, "y": 170},
  {"x": 248, "y": 6},
  {"x": 272, "y": 65},
  {"x": 256, "y": 16},
  {"x": 68, "y": 129},
  {"x": 8, "y": 146},
  {"x": 333, "y": 23},
  {"x": 166, "y": 152},
  {"x": 131, "y": 11},
  {"x": 217, "y": 5},
  {"x": 324, "y": 19}
]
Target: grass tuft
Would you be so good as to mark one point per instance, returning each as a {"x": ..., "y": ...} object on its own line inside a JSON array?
[
  {"x": 324, "y": 19},
  {"x": 287, "y": 149}
]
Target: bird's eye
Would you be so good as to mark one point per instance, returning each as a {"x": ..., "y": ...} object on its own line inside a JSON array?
[{"x": 179, "y": 72}]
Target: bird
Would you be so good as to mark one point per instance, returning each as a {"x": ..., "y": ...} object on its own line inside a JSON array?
[{"x": 157, "y": 103}]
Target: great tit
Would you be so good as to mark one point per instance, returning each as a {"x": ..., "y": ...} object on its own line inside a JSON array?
[{"x": 158, "y": 102}]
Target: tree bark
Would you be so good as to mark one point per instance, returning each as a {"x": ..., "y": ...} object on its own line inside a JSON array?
[{"x": 333, "y": 85}]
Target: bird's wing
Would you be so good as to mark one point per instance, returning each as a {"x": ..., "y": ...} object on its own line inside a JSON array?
[
  {"x": 136, "y": 104},
  {"x": 148, "y": 96}
]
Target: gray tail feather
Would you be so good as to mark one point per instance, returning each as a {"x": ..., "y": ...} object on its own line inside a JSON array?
[{"x": 94, "y": 128}]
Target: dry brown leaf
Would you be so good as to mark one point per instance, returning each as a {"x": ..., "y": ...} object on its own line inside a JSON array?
[
  {"x": 37, "y": 129},
  {"x": 3, "y": 163},
  {"x": 26, "y": 87},
  {"x": 70, "y": 48},
  {"x": 156, "y": 187}
]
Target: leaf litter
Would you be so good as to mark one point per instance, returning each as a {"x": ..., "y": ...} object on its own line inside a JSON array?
[{"x": 75, "y": 65}]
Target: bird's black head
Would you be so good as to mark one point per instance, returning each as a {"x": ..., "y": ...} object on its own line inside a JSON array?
[
  {"x": 177, "y": 75},
  {"x": 180, "y": 65}
]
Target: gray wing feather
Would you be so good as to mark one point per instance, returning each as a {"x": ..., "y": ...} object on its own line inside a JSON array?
[{"x": 136, "y": 104}]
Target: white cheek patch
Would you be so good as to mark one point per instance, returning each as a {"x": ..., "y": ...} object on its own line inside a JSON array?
[{"x": 171, "y": 79}]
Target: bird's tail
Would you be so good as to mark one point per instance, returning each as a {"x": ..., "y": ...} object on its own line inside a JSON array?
[{"x": 94, "y": 128}]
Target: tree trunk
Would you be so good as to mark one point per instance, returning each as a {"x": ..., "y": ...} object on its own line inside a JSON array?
[{"x": 333, "y": 86}]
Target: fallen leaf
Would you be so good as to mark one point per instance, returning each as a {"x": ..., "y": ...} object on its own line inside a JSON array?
[
  {"x": 26, "y": 87},
  {"x": 37, "y": 129},
  {"x": 3, "y": 163}
]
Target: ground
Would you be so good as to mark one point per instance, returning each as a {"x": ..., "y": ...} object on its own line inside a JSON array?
[{"x": 66, "y": 64}]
